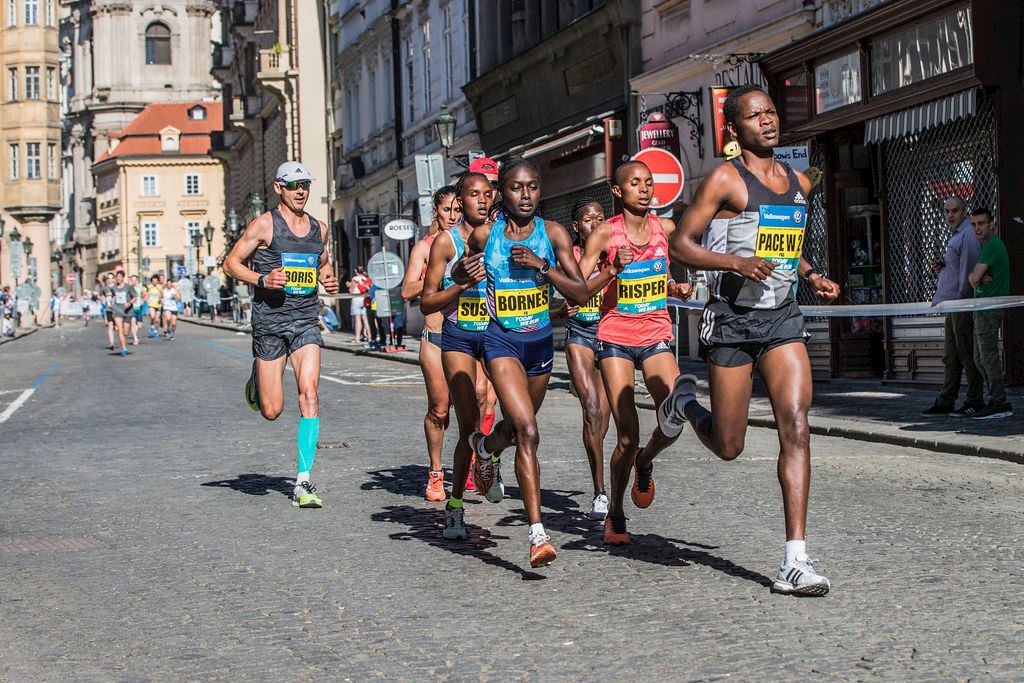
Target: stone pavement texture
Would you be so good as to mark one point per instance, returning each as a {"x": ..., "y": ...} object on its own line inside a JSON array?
[{"x": 146, "y": 534}]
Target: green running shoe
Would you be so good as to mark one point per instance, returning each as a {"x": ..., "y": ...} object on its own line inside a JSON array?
[
  {"x": 252, "y": 393},
  {"x": 304, "y": 497}
]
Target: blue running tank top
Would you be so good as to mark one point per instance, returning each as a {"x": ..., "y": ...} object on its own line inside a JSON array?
[
  {"x": 518, "y": 298},
  {"x": 469, "y": 311}
]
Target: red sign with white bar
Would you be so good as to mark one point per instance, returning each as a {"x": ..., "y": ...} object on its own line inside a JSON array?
[
  {"x": 667, "y": 172},
  {"x": 71, "y": 278}
]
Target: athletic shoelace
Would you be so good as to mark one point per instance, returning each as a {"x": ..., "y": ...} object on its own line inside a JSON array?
[
  {"x": 309, "y": 488},
  {"x": 643, "y": 477},
  {"x": 539, "y": 540},
  {"x": 455, "y": 519}
]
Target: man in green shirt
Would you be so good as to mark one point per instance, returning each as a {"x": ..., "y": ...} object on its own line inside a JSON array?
[{"x": 991, "y": 277}]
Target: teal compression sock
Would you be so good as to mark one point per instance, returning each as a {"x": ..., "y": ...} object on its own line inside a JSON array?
[{"x": 309, "y": 432}]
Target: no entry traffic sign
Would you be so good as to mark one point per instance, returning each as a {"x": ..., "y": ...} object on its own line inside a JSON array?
[{"x": 667, "y": 172}]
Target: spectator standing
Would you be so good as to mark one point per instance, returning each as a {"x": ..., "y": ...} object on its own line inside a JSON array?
[
  {"x": 954, "y": 270},
  {"x": 358, "y": 286},
  {"x": 990, "y": 277}
]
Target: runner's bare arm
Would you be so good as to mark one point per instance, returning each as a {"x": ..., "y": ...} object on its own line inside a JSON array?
[
  {"x": 434, "y": 299},
  {"x": 412, "y": 285},
  {"x": 258, "y": 233},
  {"x": 713, "y": 195},
  {"x": 328, "y": 280},
  {"x": 470, "y": 269},
  {"x": 597, "y": 244},
  {"x": 567, "y": 277},
  {"x": 827, "y": 290}
]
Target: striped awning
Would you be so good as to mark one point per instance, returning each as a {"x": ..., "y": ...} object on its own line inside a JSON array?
[{"x": 922, "y": 117}]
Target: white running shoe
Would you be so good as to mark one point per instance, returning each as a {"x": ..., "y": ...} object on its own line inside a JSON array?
[
  {"x": 799, "y": 578},
  {"x": 599, "y": 508},
  {"x": 454, "y": 523},
  {"x": 670, "y": 413}
]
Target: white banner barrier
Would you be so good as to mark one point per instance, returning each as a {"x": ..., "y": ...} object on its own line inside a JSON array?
[{"x": 886, "y": 310}]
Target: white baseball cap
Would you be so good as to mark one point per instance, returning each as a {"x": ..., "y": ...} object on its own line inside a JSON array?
[{"x": 293, "y": 170}]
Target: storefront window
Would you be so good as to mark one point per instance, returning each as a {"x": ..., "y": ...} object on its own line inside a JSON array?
[
  {"x": 795, "y": 98},
  {"x": 837, "y": 82},
  {"x": 920, "y": 52}
]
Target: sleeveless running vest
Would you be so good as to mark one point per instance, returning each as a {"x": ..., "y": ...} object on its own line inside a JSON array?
[
  {"x": 469, "y": 311},
  {"x": 518, "y": 298},
  {"x": 296, "y": 304},
  {"x": 771, "y": 226},
  {"x": 635, "y": 307},
  {"x": 590, "y": 313}
]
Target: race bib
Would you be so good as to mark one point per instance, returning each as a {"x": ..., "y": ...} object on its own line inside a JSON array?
[
  {"x": 121, "y": 298},
  {"x": 300, "y": 269},
  {"x": 780, "y": 235},
  {"x": 642, "y": 287},
  {"x": 154, "y": 299},
  {"x": 520, "y": 305},
  {"x": 472, "y": 311},
  {"x": 591, "y": 313}
]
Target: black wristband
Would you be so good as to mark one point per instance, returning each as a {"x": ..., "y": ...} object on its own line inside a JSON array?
[
  {"x": 811, "y": 271},
  {"x": 261, "y": 282}
]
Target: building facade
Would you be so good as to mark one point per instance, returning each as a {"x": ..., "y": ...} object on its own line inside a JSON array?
[
  {"x": 904, "y": 104},
  {"x": 270, "y": 63},
  {"x": 118, "y": 57},
  {"x": 157, "y": 187},
  {"x": 29, "y": 148}
]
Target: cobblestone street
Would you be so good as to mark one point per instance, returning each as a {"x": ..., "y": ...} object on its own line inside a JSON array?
[{"x": 146, "y": 533}]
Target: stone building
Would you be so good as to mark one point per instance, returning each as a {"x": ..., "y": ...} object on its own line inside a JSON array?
[
  {"x": 119, "y": 57},
  {"x": 271, "y": 66},
  {"x": 157, "y": 186},
  {"x": 29, "y": 144}
]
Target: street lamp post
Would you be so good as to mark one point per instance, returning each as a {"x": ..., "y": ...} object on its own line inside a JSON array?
[
  {"x": 1, "y": 243},
  {"x": 208, "y": 231},
  {"x": 198, "y": 241},
  {"x": 444, "y": 124}
]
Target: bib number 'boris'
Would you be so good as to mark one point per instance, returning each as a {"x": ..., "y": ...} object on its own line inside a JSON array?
[
  {"x": 301, "y": 270},
  {"x": 521, "y": 306},
  {"x": 780, "y": 235},
  {"x": 642, "y": 287}
]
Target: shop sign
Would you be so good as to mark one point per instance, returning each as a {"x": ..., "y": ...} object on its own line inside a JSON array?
[
  {"x": 658, "y": 131},
  {"x": 796, "y": 157},
  {"x": 721, "y": 132},
  {"x": 367, "y": 225},
  {"x": 837, "y": 82}
]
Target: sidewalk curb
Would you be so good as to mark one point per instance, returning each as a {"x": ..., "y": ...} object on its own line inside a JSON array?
[
  {"x": 27, "y": 333},
  {"x": 821, "y": 427}
]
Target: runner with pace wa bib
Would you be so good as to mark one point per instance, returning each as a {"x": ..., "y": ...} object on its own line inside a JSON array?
[
  {"x": 288, "y": 248},
  {"x": 635, "y": 331},
  {"x": 519, "y": 251},
  {"x": 752, "y": 214}
]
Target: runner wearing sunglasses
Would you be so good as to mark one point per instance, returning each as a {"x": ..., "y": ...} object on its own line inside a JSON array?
[{"x": 288, "y": 252}]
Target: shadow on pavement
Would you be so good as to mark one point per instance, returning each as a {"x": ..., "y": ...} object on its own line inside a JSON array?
[
  {"x": 404, "y": 480},
  {"x": 255, "y": 484},
  {"x": 425, "y": 524}
]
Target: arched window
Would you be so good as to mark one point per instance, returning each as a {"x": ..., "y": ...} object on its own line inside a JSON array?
[{"x": 158, "y": 44}]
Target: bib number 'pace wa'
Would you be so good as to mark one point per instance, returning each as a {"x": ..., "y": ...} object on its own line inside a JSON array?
[
  {"x": 780, "y": 235},
  {"x": 642, "y": 287},
  {"x": 301, "y": 270}
]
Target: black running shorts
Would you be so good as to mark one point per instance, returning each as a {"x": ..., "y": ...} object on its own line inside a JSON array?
[
  {"x": 273, "y": 345},
  {"x": 734, "y": 336}
]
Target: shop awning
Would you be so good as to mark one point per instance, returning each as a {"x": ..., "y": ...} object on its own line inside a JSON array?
[{"x": 922, "y": 117}]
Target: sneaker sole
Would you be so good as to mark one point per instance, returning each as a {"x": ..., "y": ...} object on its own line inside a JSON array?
[
  {"x": 596, "y": 516},
  {"x": 455, "y": 537},
  {"x": 997, "y": 416},
  {"x": 809, "y": 591},
  {"x": 544, "y": 559},
  {"x": 668, "y": 405},
  {"x": 307, "y": 506}
]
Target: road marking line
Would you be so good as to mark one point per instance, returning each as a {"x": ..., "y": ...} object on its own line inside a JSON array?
[
  {"x": 395, "y": 379},
  {"x": 25, "y": 395}
]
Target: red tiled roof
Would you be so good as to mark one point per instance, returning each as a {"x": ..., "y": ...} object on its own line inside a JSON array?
[{"x": 141, "y": 137}]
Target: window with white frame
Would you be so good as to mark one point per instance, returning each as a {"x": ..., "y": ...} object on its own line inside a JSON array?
[
  {"x": 449, "y": 53},
  {"x": 12, "y": 83},
  {"x": 31, "y": 82},
  {"x": 425, "y": 36},
  {"x": 149, "y": 186},
  {"x": 371, "y": 89},
  {"x": 51, "y": 160},
  {"x": 149, "y": 233},
  {"x": 51, "y": 84},
  {"x": 32, "y": 12},
  {"x": 192, "y": 228},
  {"x": 192, "y": 183},
  {"x": 12, "y": 12},
  {"x": 49, "y": 13},
  {"x": 14, "y": 152},
  {"x": 410, "y": 90},
  {"x": 33, "y": 162}
]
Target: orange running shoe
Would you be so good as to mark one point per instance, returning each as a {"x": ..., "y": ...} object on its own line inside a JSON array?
[
  {"x": 613, "y": 535},
  {"x": 469, "y": 475},
  {"x": 542, "y": 553},
  {"x": 435, "y": 486},
  {"x": 643, "y": 485}
]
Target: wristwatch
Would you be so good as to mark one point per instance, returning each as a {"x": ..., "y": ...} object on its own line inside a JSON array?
[
  {"x": 261, "y": 283},
  {"x": 545, "y": 268}
]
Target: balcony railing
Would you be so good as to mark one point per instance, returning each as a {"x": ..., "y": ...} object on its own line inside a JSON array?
[{"x": 274, "y": 62}]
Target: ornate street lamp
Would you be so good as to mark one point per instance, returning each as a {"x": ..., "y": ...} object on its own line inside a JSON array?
[
  {"x": 231, "y": 224},
  {"x": 444, "y": 124},
  {"x": 27, "y": 246},
  {"x": 208, "y": 231},
  {"x": 256, "y": 205}
]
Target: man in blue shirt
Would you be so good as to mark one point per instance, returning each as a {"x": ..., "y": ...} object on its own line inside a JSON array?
[
  {"x": 328, "y": 320},
  {"x": 954, "y": 271}
]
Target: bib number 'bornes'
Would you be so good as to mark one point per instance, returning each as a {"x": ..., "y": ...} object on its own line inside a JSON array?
[
  {"x": 301, "y": 270},
  {"x": 518, "y": 305},
  {"x": 642, "y": 287},
  {"x": 780, "y": 235}
]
